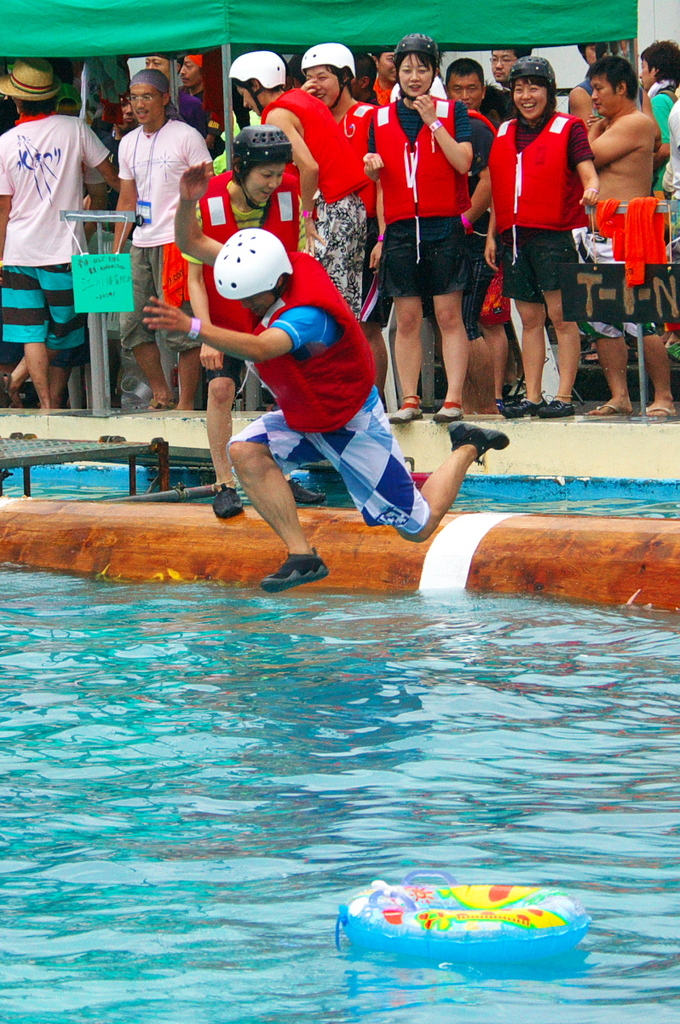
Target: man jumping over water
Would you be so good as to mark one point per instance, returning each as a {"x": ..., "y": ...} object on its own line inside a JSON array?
[{"x": 310, "y": 351}]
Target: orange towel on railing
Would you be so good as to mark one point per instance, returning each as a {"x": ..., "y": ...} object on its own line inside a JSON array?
[
  {"x": 175, "y": 276},
  {"x": 611, "y": 224},
  {"x": 644, "y": 238}
]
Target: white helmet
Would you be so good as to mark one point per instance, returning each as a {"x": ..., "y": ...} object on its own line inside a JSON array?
[
  {"x": 335, "y": 55},
  {"x": 267, "y": 67},
  {"x": 250, "y": 262}
]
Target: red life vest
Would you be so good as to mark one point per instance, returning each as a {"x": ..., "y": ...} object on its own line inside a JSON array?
[
  {"x": 536, "y": 188},
  {"x": 418, "y": 181},
  {"x": 282, "y": 219},
  {"x": 356, "y": 125},
  {"x": 341, "y": 172},
  {"x": 321, "y": 392}
]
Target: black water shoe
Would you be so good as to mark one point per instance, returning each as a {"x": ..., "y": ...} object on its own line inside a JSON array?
[
  {"x": 518, "y": 410},
  {"x": 556, "y": 410},
  {"x": 296, "y": 570},
  {"x": 482, "y": 438},
  {"x": 227, "y": 503}
]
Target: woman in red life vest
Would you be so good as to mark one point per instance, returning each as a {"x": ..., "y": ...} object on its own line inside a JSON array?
[
  {"x": 542, "y": 177},
  {"x": 330, "y": 71},
  {"x": 420, "y": 152},
  {"x": 257, "y": 193}
]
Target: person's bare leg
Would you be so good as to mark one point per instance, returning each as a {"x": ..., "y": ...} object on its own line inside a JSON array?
[
  {"x": 37, "y": 365},
  {"x": 478, "y": 390},
  {"x": 189, "y": 375},
  {"x": 568, "y": 345},
  {"x": 448, "y": 311},
  {"x": 269, "y": 493},
  {"x": 498, "y": 343},
  {"x": 16, "y": 380},
  {"x": 612, "y": 354},
  {"x": 221, "y": 392},
  {"x": 149, "y": 361},
  {"x": 441, "y": 488},
  {"x": 532, "y": 316},
  {"x": 659, "y": 369},
  {"x": 374, "y": 336},
  {"x": 59, "y": 377},
  {"x": 408, "y": 349}
]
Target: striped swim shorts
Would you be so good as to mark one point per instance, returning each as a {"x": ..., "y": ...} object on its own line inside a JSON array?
[
  {"x": 38, "y": 306},
  {"x": 364, "y": 453}
]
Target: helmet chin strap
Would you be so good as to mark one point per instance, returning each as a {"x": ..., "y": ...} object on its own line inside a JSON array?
[{"x": 253, "y": 205}]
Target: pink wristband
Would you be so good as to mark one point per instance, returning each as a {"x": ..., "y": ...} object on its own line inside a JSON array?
[
  {"x": 307, "y": 213},
  {"x": 381, "y": 238},
  {"x": 466, "y": 224},
  {"x": 195, "y": 328}
]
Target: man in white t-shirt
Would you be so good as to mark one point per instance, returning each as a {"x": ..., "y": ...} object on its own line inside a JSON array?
[
  {"x": 152, "y": 160},
  {"x": 41, "y": 174}
]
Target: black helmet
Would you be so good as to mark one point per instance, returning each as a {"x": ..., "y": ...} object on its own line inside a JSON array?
[
  {"x": 532, "y": 67},
  {"x": 262, "y": 144},
  {"x": 415, "y": 42}
]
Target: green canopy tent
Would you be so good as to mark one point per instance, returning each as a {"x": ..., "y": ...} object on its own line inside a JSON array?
[{"x": 82, "y": 28}]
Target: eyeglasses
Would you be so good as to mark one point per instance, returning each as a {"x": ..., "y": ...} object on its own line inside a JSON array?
[{"x": 502, "y": 60}]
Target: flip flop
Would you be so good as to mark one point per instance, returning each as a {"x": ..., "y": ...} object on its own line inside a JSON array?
[
  {"x": 161, "y": 406},
  {"x": 609, "y": 410},
  {"x": 659, "y": 412}
]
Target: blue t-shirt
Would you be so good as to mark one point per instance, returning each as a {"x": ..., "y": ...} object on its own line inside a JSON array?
[{"x": 310, "y": 329}]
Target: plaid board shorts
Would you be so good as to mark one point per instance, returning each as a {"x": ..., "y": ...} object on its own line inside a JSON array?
[
  {"x": 38, "y": 306},
  {"x": 364, "y": 453}
]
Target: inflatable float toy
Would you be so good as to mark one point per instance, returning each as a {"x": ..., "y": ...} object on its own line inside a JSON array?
[
  {"x": 463, "y": 923},
  {"x": 585, "y": 558}
]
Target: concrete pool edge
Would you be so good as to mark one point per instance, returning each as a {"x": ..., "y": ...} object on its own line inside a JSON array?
[{"x": 577, "y": 447}]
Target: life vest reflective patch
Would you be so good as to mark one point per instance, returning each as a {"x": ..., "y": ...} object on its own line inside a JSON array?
[
  {"x": 362, "y": 110},
  {"x": 285, "y": 200},
  {"x": 559, "y": 125},
  {"x": 218, "y": 214}
]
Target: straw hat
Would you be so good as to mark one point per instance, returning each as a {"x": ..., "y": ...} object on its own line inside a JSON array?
[{"x": 31, "y": 79}]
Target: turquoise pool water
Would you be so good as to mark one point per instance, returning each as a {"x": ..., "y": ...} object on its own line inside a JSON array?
[{"x": 193, "y": 779}]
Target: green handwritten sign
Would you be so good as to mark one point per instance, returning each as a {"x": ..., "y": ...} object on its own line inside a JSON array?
[{"x": 103, "y": 283}]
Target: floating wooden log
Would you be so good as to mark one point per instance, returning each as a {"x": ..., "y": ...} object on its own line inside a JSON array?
[{"x": 584, "y": 558}]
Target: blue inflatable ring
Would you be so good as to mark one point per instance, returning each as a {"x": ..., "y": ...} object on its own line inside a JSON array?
[{"x": 463, "y": 923}]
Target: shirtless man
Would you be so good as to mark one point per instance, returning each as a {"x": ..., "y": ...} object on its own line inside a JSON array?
[{"x": 622, "y": 140}]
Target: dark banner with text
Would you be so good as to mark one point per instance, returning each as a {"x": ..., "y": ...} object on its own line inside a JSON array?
[{"x": 597, "y": 291}]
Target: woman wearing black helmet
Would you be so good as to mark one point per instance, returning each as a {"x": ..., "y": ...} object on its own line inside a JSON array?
[
  {"x": 257, "y": 193},
  {"x": 420, "y": 152},
  {"x": 542, "y": 177}
]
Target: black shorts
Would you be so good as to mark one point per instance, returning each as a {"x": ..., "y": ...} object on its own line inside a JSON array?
[
  {"x": 231, "y": 367},
  {"x": 442, "y": 269},
  {"x": 481, "y": 276},
  {"x": 10, "y": 352},
  {"x": 537, "y": 267},
  {"x": 380, "y": 313},
  {"x": 67, "y": 358}
]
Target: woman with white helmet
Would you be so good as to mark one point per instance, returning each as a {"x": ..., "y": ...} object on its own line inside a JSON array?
[
  {"x": 311, "y": 353},
  {"x": 330, "y": 69},
  {"x": 331, "y": 174}
]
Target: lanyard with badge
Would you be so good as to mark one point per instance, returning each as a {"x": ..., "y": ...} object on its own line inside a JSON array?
[{"x": 144, "y": 208}]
